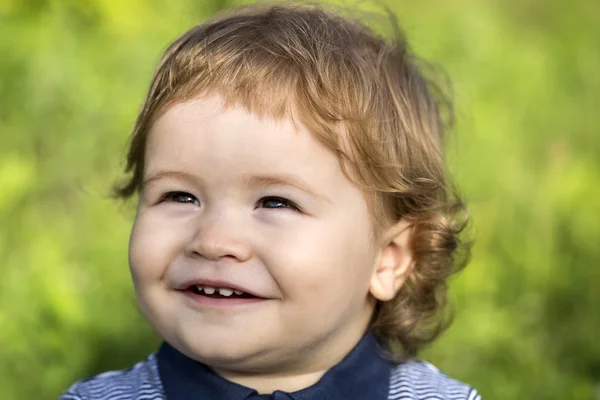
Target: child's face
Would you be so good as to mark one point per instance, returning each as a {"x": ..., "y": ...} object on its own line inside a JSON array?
[{"x": 218, "y": 209}]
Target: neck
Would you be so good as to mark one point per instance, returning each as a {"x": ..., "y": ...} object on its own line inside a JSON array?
[{"x": 303, "y": 373}]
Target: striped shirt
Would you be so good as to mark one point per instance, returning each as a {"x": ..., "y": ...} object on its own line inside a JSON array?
[{"x": 411, "y": 380}]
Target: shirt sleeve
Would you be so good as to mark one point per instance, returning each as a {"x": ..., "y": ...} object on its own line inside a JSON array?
[
  {"x": 141, "y": 380},
  {"x": 420, "y": 380},
  {"x": 474, "y": 395},
  {"x": 70, "y": 395}
]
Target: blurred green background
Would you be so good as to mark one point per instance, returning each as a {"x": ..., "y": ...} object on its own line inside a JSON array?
[{"x": 526, "y": 153}]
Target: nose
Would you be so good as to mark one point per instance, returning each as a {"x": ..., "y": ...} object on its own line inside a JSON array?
[{"x": 217, "y": 239}]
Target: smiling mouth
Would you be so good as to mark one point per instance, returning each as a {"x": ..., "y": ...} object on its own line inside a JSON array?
[{"x": 220, "y": 293}]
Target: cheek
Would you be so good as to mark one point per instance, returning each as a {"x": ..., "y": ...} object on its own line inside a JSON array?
[
  {"x": 139, "y": 257},
  {"x": 152, "y": 245},
  {"x": 328, "y": 261}
]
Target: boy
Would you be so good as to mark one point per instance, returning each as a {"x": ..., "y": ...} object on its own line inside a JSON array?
[{"x": 294, "y": 228}]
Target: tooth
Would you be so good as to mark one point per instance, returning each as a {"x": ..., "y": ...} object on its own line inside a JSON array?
[
  {"x": 238, "y": 292},
  {"x": 199, "y": 288},
  {"x": 225, "y": 292},
  {"x": 209, "y": 290}
]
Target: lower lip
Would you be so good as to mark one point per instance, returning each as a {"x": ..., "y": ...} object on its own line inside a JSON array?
[{"x": 220, "y": 302}]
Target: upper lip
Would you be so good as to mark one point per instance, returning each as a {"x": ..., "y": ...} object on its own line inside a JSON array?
[{"x": 216, "y": 284}]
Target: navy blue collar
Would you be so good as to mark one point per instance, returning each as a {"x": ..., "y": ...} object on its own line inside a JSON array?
[{"x": 363, "y": 374}]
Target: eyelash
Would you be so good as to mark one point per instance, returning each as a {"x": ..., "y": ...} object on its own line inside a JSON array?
[
  {"x": 285, "y": 203},
  {"x": 172, "y": 196}
]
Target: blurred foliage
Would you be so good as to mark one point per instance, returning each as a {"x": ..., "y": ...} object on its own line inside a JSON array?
[{"x": 526, "y": 154}]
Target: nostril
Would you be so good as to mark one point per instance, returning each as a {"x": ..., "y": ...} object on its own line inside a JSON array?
[{"x": 218, "y": 240}]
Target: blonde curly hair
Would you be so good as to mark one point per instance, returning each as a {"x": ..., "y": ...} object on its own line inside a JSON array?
[{"x": 363, "y": 96}]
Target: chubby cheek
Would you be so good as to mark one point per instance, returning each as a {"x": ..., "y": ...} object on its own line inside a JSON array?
[
  {"x": 151, "y": 246},
  {"x": 326, "y": 270}
]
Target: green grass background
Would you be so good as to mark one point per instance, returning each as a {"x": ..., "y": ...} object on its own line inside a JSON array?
[{"x": 525, "y": 152}]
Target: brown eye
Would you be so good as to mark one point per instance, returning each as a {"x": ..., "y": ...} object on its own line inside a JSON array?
[
  {"x": 277, "y": 202},
  {"x": 181, "y": 197}
]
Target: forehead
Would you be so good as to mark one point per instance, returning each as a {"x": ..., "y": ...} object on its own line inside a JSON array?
[{"x": 203, "y": 134}]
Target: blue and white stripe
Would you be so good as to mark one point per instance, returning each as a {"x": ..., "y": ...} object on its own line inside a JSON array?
[
  {"x": 413, "y": 380},
  {"x": 419, "y": 380}
]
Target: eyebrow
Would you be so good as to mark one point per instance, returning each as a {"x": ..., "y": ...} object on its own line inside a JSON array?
[
  {"x": 177, "y": 175},
  {"x": 260, "y": 181},
  {"x": 264, "y": 181}
]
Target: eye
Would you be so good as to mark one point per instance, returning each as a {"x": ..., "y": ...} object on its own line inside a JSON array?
[
  {"x": 277, "y": 202},
  {"x": 180, "y": 197}
]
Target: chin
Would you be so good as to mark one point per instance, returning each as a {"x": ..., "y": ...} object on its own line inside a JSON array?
[{"x": 224, "y": 351}]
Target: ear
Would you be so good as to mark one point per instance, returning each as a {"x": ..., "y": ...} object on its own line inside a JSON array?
[{"x": 395, "y": 262}]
